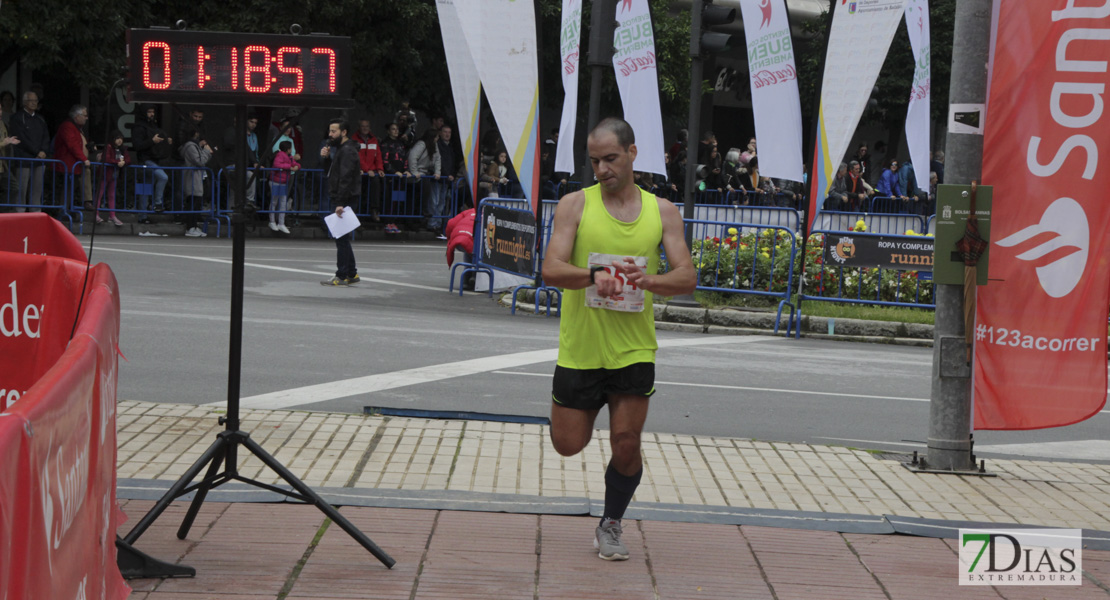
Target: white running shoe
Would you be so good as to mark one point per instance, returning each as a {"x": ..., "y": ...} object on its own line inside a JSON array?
[
  {"x": 273, "y": 226},
  {"x": 283, "y": 229}
]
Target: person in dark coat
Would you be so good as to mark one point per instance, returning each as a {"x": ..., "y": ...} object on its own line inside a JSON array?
[
  {"x": 341, "y": 162},
  {"x": 30, "y": 128}
]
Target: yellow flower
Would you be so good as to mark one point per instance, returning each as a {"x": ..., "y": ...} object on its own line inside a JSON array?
[
  {"x": 860, "y": 226},
  {"x": 911, "y": 232},
  {"x": 765, "y": 255},
  {"x": 732, "y": 231}
]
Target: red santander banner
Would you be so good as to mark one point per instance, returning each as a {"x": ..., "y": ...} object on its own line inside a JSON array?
[{"x": 1040, "y": 352}]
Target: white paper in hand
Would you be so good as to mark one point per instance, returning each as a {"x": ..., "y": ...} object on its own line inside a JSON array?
[{"x": 341, "y": 226}]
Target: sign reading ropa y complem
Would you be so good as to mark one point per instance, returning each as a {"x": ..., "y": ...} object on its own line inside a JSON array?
[{"x": 884, "y": 252}]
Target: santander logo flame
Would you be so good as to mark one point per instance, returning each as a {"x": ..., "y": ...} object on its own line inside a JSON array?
[{"x": 1066, "y": 219}]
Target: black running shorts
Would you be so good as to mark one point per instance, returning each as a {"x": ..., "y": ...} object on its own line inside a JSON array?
[{"x": 589, "y": 389}]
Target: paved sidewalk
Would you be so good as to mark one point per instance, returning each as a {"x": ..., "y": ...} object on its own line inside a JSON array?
[
  {"x": 267, "y": 551},
  {"x": 342, "y": 450}
]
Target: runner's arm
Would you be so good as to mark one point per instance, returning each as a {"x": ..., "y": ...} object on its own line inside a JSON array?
[{"x": 557, "y": 270}]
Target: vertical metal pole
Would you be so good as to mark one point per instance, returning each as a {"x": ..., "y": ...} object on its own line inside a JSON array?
[
  {"x": 238, "y": 258},
  {"x": 693, "y": 127},
  {"x": 600, "y": 58},
  {"x": 949, "y": 442}
]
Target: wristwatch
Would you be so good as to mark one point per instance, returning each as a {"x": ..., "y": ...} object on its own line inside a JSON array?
[{"x": 593, "y": 270}]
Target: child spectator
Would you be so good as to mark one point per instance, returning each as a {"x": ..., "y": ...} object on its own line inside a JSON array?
[
  {"x": 115, "y": 158},
  {"x": 279, "y": 185}
]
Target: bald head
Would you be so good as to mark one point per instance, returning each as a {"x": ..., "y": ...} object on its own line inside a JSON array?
[{"x": 618, "y": 127}]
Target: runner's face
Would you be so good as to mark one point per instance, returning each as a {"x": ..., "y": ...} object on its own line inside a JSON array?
[{"x": 612, "y": 163}]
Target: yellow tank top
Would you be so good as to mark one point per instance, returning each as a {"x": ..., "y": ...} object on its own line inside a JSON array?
[{"x": 599, "y": 338}]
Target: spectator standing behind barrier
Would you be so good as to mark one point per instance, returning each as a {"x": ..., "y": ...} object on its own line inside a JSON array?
[
  {"x": 152, "y": 149},
  {"x": 370, "y": 162},
  {"x": 406, "y": 121},
  {"x": 450, "y": 167},
  {"x": 423, "y": 163},
  {"x": 917, "y": 198},
  {"x": 863, "y": 157},
  {"x": 254, "y": 157},
  {"x": 837, "y": 198},
  {"x": 937, "y": 165},
  {"x": 604, "y": 237},
  {"x": 488, "y": 182},
  {"x": 196, "y": 153},
  {"x": 34, "y": 140},
  {"x": 279, "y": 185},
  {"x": 116, "y": 158},
  {"x": 508, "y": 176},
  {"x": 71, "y": 149},
  {"x": 395, "y": 161},
  {"x": 193, "y": 122},
  {"x": 341, "y": 162}
]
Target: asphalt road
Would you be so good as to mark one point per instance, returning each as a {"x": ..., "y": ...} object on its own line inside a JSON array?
[{"x": 400, "y": 340}]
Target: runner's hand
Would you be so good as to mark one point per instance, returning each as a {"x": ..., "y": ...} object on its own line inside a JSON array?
[
  {"x": 608, "y": 285},
  {"x": 632, "y": 272}
]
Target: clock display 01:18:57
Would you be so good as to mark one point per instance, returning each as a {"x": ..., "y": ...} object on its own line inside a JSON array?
[{"x": 255, "y": 68}]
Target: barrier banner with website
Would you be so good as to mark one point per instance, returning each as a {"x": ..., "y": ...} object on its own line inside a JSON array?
[
  {"x": 858, "y": 43},
  {"x": 569, "y": 43},
  {"x": 1040, "y": 332},
  {"x": 870, "y": 251},
  {"x": 58, "y": 513},
  {"x": 774, "y": 81},
  {"x": 509, "y": 239},
  {"x": 466, "y": 87},
  {"x": 38, "y": 233},
  {"x": 634, "y": 63}
]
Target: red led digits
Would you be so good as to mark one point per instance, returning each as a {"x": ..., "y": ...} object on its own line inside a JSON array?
[
  {"x": 234, "y": 69},
  {"x": 299, "y": 86},
  {"x": 165, "y": 66},
  {"x": 201, "y": 77},
  {"x": 250, "y": 68},
  {"x": 331, "y": 65}
]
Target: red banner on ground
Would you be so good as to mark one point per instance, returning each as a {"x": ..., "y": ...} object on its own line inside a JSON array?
[
  {"x": 58, "y": 513},
  {"x": 38, "y": 233},
  {"x": 1040, "y": 353}
]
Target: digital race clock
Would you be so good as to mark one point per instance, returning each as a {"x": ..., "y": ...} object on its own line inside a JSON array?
[{"x": 203, "y": 67}]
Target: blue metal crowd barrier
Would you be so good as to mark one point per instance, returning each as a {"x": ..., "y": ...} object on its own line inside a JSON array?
[
  {"x": 758, "y": 263},
  {"x": 34, "y": 184},
  {"x": 302, "y": 189},
  {"x": 477, "y": 266},
  {"x": 140, "y": 182},
  {"x": 758, "y": 215},
  {"x": 893, "y": 224},
  {"x": 543, "y": 228},
  {"x": 930, "y": 225},
  {"x": 863, "y": 285}
]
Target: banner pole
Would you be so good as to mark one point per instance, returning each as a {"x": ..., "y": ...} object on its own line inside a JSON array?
[{"x": 949, "y": 441}]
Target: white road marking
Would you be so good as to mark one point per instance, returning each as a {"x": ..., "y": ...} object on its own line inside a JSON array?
[
  {"x": 749, "y": 389},
  {"x": 225, "y": 261},
  {"x": 388, "y": 381},
  {"x": 1074, "y": 449}
]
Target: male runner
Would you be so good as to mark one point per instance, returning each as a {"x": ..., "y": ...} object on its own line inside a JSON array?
[{"x": 604, "y": 252}]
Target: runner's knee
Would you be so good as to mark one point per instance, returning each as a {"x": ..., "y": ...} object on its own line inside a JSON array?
[
  {"x": 569, "y": 445},
  {"x": 626, "y": 446}
]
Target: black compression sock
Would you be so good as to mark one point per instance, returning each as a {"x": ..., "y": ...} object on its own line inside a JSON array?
[{"x": 618, "y": 492}]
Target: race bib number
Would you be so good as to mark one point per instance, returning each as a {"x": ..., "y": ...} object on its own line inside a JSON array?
[{"x": 631, "y": 298}]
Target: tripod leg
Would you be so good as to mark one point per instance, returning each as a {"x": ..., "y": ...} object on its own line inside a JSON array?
[
  {"x": 202, "y": 492},
  {"x": 175, "y": 490},
  {"x": 320, "y": 503}
]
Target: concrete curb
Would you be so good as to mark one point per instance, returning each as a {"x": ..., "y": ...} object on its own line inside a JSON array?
[{"x": 756, "y": 322}]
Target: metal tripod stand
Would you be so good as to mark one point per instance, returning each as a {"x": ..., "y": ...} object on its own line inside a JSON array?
[{"x": 224, "y": 451}]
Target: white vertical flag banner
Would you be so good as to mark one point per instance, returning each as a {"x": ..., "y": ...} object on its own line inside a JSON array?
[
  {"x": 917, "y": 117},
  {"x": 466, "y": 86},
  {"x": 638, "y": 82},
  {"x": 774, "y": 80},
  {"x": 501, "y": 35},
  {"x": 570, "y": 42},
  {"x": 859, "y": 40}
]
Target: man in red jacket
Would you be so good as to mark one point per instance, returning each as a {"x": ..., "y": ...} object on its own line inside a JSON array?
[
  {"x": 71, "y": 148},
  {"x": 370, "y": 163}
]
